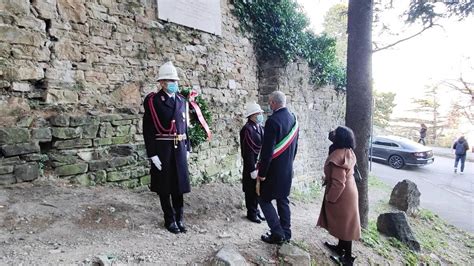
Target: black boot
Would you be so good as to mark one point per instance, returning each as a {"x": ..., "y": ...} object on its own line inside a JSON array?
[
  {"x": 334, "y": 248},
  {"x": 180, "y": 220},
  {"x": 172, "y": 227},
  {"x": 343, "y": 260}
]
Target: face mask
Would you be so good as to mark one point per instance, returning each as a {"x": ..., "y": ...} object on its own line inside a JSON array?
[
  {"x": 259, "y": 119},
  {"x": 172, "y": 87}
]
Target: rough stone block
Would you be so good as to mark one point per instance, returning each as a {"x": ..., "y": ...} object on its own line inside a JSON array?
[
  {"x": 26, "y": 172},
  {"x": 100, "y": 177},
  {"x": 34, "y": 157},
  {"x": 106, "y": 130},
  {"x": 229, "y": 255},
  {"x": 84, "y": 120},
  {"x": 62, "y": 159},
  {"x": 66, "y": 50},
  {"x": 21, "y": 86},
  {"x": 118, "y": 176},
  {"x": 14, "y": 35},
  {"x": 30, "y": 52},
  {"x": 14, "y": 135},
  {"x": 31, "y": 23},
  {"x": 405, "y": 197},
  {"x": 118, "y": 161},
  {"x": 122, "y": 131},
  {"x": 90, "y": 131},
  {"x": 61, "y": 96},
  {"x": 133, "y": 183},
  {"x": 10, "y": 161},
  {"x": 145, "y": 180},
  {"x": 60, "y": 120},
  {"x": 25, "y": 121},
  {"x": 18, "y": 149},
  {"x": 110, "y": 117},
  {"x": 66, "y": 132},
  {"x": 25, "y": 71},
  {"x": 72, "y": 10},
  {"x": 121, "y": 122},
  {"x": 102, "y": 142},
  {"x": 18, "y": 7},
  {"x": 46, "y": 8},
  {"x": 42, "y": 134},
  {"x": 72, "y": 143},
  {"x": 293, "y": 255},
  {"x": 96, "y": 165},
  {"x": 7, "y": 179},
  {"x": 72, "y": 169},
  {"x": 396, "y": 225},
  {"x": 121, "y": 140},
  {"x": 84, "y": 179},
  {"x": 6, "y": 169}
]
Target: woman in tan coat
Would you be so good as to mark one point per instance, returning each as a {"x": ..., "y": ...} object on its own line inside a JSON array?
[{"x": 340, "y": 210}]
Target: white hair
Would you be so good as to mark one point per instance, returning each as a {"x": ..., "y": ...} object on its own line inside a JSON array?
[{"x": 278, "y": 97}]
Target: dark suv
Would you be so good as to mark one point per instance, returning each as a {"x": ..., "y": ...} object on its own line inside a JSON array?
[{"x": 398, "y": 152}]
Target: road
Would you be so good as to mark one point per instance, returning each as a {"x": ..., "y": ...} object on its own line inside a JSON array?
[{"x": 447, "y": 194}]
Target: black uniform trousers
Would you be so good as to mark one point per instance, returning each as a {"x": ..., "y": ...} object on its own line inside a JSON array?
[
  {"x": 172, "y": 213},
  {"x": 251, "y": 204},
  {"x": 279, "y": 223}
]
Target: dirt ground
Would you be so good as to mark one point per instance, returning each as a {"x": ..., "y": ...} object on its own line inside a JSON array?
[{"x": 53, "y": 222}]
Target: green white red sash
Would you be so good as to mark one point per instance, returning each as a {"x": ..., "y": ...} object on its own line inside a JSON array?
[{"x": 281, "y": 146}]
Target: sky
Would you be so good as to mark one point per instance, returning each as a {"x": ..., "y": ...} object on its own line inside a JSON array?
[{"x": 437, "y": 54}]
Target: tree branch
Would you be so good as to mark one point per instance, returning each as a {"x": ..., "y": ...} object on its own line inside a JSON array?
[{"x": 404, "y": 39}]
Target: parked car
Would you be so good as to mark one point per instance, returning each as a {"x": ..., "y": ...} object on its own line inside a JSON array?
[{"x": 398, "y": 152}]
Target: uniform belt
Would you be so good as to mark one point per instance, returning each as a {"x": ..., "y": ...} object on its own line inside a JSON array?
[{"x": 178, "y": 137}]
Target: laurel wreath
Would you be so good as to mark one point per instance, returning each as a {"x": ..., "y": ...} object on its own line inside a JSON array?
[{"x": 196, "y": 132}]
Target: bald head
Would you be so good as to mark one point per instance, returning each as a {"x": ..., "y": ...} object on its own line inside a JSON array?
[{"x": 276, "y": 100}]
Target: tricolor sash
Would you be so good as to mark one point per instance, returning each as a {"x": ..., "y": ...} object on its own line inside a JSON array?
[{"x": 281, "y": 146}]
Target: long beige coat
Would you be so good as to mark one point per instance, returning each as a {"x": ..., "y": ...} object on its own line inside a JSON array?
[{"x": 340, "y": 209}]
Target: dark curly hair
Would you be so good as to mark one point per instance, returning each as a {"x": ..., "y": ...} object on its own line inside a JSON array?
[{"x": 344, "y": 138}]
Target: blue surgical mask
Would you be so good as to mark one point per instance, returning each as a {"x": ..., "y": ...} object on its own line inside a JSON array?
[
  {"x": 172, "y": 87},
  {"x": 259, "y": 119}
]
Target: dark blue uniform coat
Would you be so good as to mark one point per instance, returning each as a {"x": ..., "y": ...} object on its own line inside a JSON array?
[
  {"x": 279, "y": 171},
  {"x": 174, "y": 176},
  {"x": 251, "y": 137}
]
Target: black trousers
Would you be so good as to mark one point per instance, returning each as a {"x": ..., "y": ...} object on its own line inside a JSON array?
[
  {"x": 280, "y": 222},
  {"x": 251, "y": 203},
  {"x": 172, "y": 213}
]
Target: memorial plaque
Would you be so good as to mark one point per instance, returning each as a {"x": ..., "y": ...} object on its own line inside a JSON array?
[{"x": 203, "y": 15}]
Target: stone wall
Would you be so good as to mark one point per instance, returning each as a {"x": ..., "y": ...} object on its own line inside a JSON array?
[{"x": 73, "y": 74}]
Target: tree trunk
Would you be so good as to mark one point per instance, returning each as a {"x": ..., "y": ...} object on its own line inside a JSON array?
[{"x": 359, "y": 91}]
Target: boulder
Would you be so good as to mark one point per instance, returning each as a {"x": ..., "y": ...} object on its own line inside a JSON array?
[
  {"x": 395, "y": 225},
  {"x": 7, "y": 179},
  {"x": 293, "y": 255},
  {"x": 72, "y": 169},
  {"x": 14, "y": 135},
  {"x": 228, "y": 256},
  {"x": 405, "y": 197}
]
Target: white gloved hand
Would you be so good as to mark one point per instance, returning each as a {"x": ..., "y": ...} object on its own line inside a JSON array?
[
  {"x": 156, "y": 161},
  {"x": 187, "y": 155},
  {"x": 254, "y": 174}
]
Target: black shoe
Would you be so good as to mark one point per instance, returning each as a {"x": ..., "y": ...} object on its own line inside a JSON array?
[
  {"x": 173, "y": 228},
  {"x": 261, "y": 217},
  {"x": 254, "y": 219},
  {"x": 343, "y": 260},
  {"x": 334, "y": 248},
  {"x": 181, "y": 227},
  {"x": 273, "y": 239}
]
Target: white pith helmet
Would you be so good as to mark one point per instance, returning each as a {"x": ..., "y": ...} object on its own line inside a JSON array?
[
  {"x": 168, "y": 71},
  {"x": 252, "y": 108}
]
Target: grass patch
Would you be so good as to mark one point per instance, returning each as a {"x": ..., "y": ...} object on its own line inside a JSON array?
[
  {"x": 376, "y": 183},
  {"x": 308, "y": 193}
]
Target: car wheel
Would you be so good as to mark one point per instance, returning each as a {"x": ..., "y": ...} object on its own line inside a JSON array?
[{"x": 396, "y": 161}]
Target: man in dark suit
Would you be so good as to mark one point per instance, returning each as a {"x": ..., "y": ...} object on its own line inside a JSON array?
[
  {"x": 168, "y": 147},
  {"x": 275, "y": 173}
]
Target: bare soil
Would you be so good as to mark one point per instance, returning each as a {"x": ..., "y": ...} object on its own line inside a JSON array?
[{"x": 54, "y": 222}]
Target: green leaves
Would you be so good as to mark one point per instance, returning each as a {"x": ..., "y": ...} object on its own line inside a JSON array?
[
  {"x": 196, "y": 132},
  {"x": 281, "y": 29}
]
